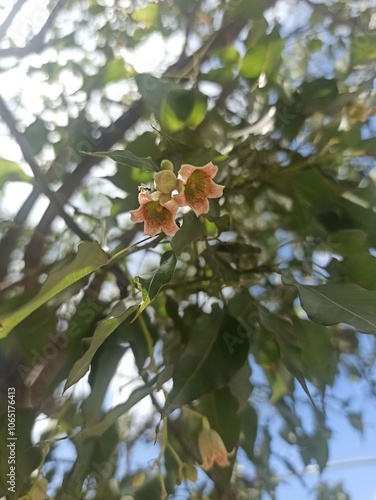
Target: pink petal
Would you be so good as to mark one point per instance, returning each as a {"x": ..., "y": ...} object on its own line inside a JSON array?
[
  {"x": 200, "y": 207},
  {"x": 137, "y": 215},
  {"x": 180, "y": 199},
  {"x": 170, "y": 228},
  {"x": 186, "y": 171},
  {"x": 210, "y": 169},
  {"x": 222, "y": 460},
  {"x": 215, "y": 190},
  {"x": 144, "y": 197},
  {"x": 151, "y": 228},
  {"x": 172, "y": 206}
]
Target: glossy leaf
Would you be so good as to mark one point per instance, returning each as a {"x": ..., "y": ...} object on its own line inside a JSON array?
[
  {"x": 89, "y": 258},
  {"x": 263, "y": 57},
  {"x": 290, "y": 350},
  {"x": 337, "y": 303},
  {"x": 150, "y": 284},
  {"x": 127, "y": 159},
  {"x": 174, "y": 107},
  {"x": 104, "y": 329},
  {"x": 10, "y": 171},
  {"x": 193, "y": 229},
  {"x": 216, "y": 350}
]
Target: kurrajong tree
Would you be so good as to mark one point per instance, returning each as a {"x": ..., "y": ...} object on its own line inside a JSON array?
[{"x": 201, "y": 204}]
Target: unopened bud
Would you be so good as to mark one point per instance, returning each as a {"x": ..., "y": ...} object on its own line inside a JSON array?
[
  {"x": 167, "y": 165},
  {"x": 190, "y": 472},
  {"x": 165, "y": 181},
  {"x": 138, "y": 479}
]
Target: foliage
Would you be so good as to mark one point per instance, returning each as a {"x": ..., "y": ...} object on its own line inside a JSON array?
[{"x": 267, "y": 293}]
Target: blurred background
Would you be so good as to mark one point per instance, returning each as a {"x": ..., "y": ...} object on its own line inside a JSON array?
[{"x": 280, "y": 94}]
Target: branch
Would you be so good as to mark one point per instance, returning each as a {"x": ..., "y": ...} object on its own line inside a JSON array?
[
  {"x": 109, "y": 136},
  {"x": 37, "y": 43},
  {"x": 12, "y": 14},
  {"x": 38, "y": 174}
]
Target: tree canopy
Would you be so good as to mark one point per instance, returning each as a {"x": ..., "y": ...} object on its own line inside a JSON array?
[{"x": 211, "y": 296}]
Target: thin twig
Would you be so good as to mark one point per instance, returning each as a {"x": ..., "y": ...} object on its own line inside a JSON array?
[
  {"x": 38, "y": 174},
  {"x": 37, "y": 43}
]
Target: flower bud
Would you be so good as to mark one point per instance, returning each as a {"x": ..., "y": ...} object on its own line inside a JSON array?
[
  {"x": 138, "y": 479},
  {"x": 190, "y": 472},
  {"x": 165, "y": 181},
  {"x": 167, "y": 165}
]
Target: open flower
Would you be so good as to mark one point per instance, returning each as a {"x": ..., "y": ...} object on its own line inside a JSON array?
[
  {"x": 155, "y": 216},
  {"x": 212, "y": 448},
  {"x": 198, "y": 187}
]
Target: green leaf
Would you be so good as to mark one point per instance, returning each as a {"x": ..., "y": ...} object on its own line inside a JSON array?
[
  {"x": 247, "y": 9},
  {"x": 113, "y": 71},
  {"x": 150, "y": 284},
  {"x": 36, "y": 135},
  {"x": 290, "y": 350},
  {"x": 337, "y": 303},
  {"x": 102, "y": 332},
  {"x": 89, "y": 258},
  {"x": 318, "y": 95},
  {"x": 363, "y": 49},
  {"x": 315, "y": 446},
  {"x": 10, "y": 171},
  {"x": 356, "y": 420},
  {"x": 358, "y": 265},
  {"x": 216, "y": 350},
  {"x": 241, "y": 387},
  {"x": 126, "y": 158},
  {"x": 148, "y": 14},
  {"x": 223, "y": 223},
  {"x": 174, "y": 107},
  {"x": 318, "y": 358},
  {"x": 193, "y": 229},
  {"x": 249, "y": 430},
  {"x": 264, "y": 57},
  {"x": 111, "y": 416}
]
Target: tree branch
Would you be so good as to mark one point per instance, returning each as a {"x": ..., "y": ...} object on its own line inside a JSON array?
[
  {"x": 38, "y": 174},
  {"x": 109, "y": 136},
  {"x": 37, "y": 43},
  {"x": 115, "y": 132}
]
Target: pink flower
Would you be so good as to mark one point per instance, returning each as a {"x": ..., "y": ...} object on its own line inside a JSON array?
[
  {"x": 198, "y": 187},
  {"x": 212, "y": 449},
  {"x": 155, "y": 216}
]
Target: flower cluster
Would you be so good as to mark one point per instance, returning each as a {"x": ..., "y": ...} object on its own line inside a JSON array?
[{"x": 192, "y": 187}]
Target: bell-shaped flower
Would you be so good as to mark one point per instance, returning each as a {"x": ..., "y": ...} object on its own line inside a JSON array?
[
  {"x": 155, "y": 216},
  {"x": 198, "y": 187},
  {"x": 212, "y": 448}
]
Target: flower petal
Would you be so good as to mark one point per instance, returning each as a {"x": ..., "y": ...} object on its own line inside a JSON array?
[
  {"x": 215, "y": 190},
  {"x": 199, "y": 186},
  {"x": 137, "y": 215}
]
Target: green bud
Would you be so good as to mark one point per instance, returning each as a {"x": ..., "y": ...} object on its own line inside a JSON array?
[
  {"x": 138, "y": 479},
  {"x": 190, "y": 472},
  {"x": 167, "y": 165},
  {"x": 165, "y": 181}
]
